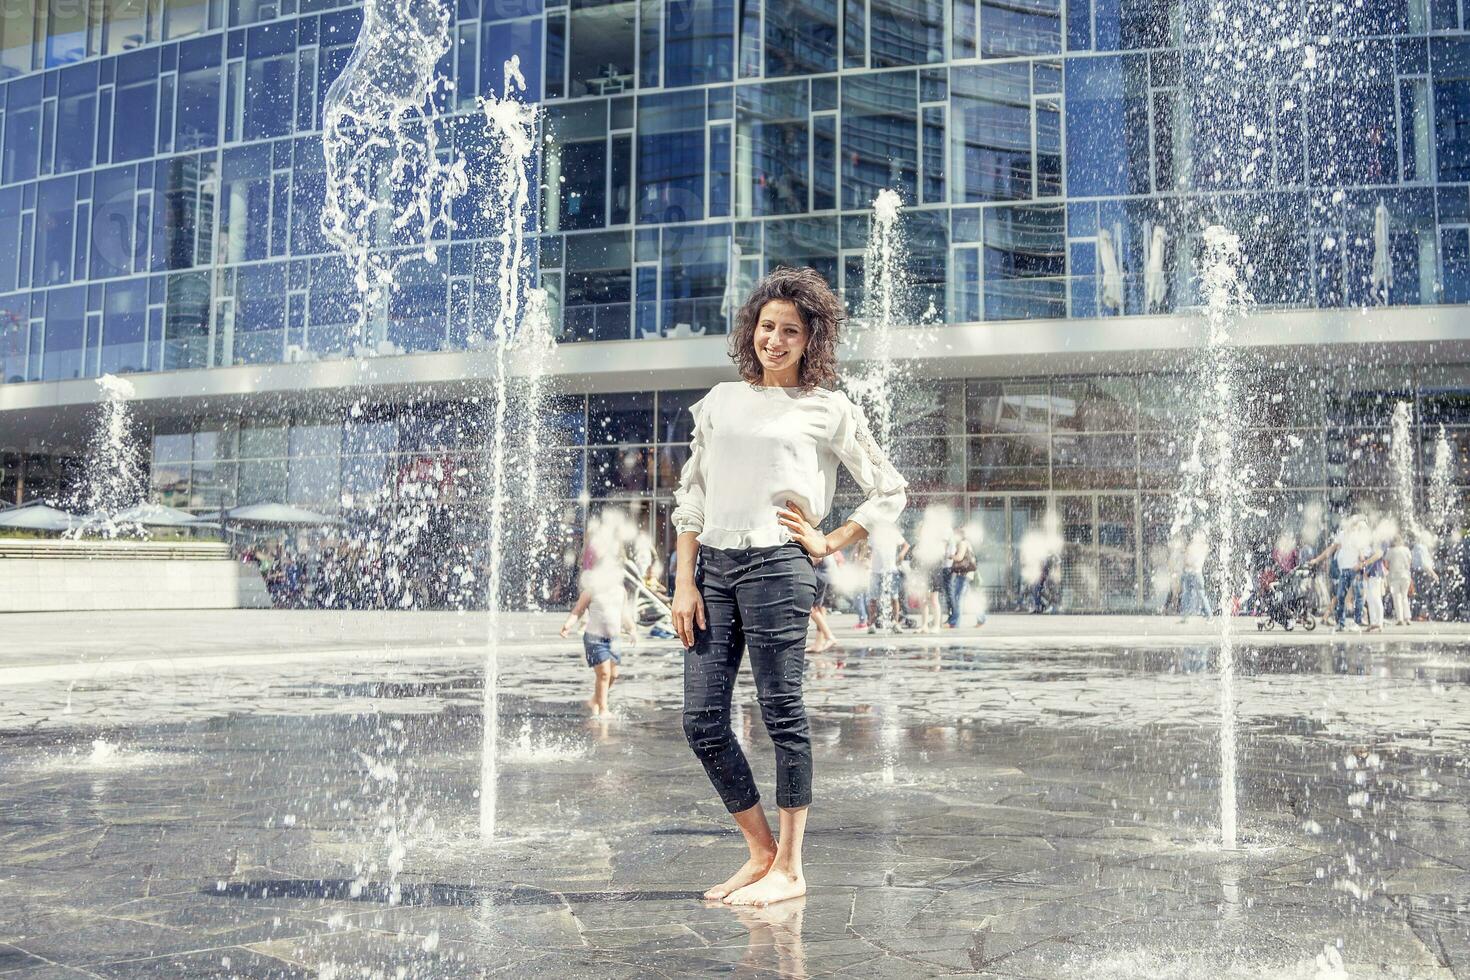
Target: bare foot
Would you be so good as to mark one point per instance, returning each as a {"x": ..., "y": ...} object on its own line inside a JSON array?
[
  {"x": 593, "y": 708},
  {"x": 776, "y": 886},
  {"x": 751, "y": 871}
]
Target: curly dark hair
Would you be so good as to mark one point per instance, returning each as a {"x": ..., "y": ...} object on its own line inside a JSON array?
[{"x": 820, "y": 310}]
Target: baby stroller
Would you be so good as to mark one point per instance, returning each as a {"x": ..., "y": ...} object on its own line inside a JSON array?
[{"x": 1288, "y": 601}]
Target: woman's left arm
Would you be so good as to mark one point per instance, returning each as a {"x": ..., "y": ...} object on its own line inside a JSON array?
[{"x": 883, "y": 487}]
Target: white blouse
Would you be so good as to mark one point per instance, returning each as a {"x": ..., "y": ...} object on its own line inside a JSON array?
[{"x": 756, "y": 448}]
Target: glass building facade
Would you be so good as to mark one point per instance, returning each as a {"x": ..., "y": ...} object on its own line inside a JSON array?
[{"x": 162, "y": 176}]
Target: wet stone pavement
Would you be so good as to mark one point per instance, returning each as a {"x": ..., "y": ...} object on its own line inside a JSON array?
[{"x": 993, "y": 808}]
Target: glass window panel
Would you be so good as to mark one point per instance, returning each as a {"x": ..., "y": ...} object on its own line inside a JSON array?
[
  {"x": 695, "y": 266},
  {"x": 270, "y": 81},
  {"x": 1129, "y": 25},
  {"x": 135, "y": 106},
  {"x": 1025, "y": 262},
  {"x": 1029, "y": 28},
  {"x": 771, "y": 149},
  {"x": 314, "y": 439},
  {"x": 801, "y": 37},
  {"x": 719, "y": 171},
  {"x": 55, "y": 221},
  {"x": 125, "y": 24},
  {"x": 906, "y": 32},
  {"x": 699, "y": 42},
  {"x": 931, "y": 465},
  {"x": 1452, "y": 124},
  {"x": 1352, "y": 133},
  {"x": 245, "y": 198},
  {"x": 418, "y": 308},
  {"x": 498, "y": 43},
  {"x": 181, "y": 192},
  {"x": 576, "y": 167},
  {"x": 556, "y": 55},
  {"x": 603, "y": 47},
  {"x": 1095, "y": 405},
  {"x": 1015, "y": 462},
  {"x": 599, "y": 287},
  {"x": 186, "y": 322},
  {"x": 824, "y": 158},
  {"x": 261, "y": 441},
  {"x": 649, "y": 48},
  {"x": 620, "y": 178},
  {"x": 22, "y": 146},
  {"x": 854, "y": 34},
  {"x": 1084, "y": 462},
  {"x": 76, "y": 118},
  {"x": 963, "y": 20},
  {"x": 1001, "y": 407},
  {"x": 802, "y": 242},
  {"x": 262, "y": 481},
  {"x": 671, "y": 165},
  {"x": 620, "y": 418},
  {"x": 879, "y": 137},
  {"x": 182, "y": 18},
  {"x": 65, "y": 328},
  {"x": 124, "y": 327},
  {"x": 619, "y": 471},
  {"x": 10, "y": 199},
  {"x": 112, "y": 231},
  {"x": 66, "y": 30},
  {"x": 1107, "y": 126},
  {"x": 990, "y": 113},
  {"x": 17, "y": 39},
  {"x": 169, "y": 471},
  {"x": 197, "y": 122},
  {"x": 260, "y": 322}
]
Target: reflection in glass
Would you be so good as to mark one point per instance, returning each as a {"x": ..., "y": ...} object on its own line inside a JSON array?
[
  {"x": 990, "y": 114},
  {"x": 879, "y": 137},
  {"x": 771, "y": 149}
]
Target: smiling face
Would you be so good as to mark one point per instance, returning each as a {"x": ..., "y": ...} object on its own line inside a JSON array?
[{"x": 780, "y": 339}]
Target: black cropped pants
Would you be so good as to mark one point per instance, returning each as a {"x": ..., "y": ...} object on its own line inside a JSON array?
[{"x": 759, "y": 598}]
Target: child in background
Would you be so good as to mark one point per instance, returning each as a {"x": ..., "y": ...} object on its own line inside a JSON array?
[{"x": 604, "y": 601}]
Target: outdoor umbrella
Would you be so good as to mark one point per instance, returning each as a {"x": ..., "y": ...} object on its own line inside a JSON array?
[
  {"x": 1112, "y": 272},
  {"x": 37, "y": 516},
  {"x": 1382, "y": 260},
  {"x": 279, "y": 515},
  {"x": 1155, "y": 288},
  {"x": 148, "y": 515}
]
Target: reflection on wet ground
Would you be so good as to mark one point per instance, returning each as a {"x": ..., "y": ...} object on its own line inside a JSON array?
[{"x": 982, "y": 808}]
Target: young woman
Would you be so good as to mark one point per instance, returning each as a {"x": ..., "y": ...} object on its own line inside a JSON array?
[{"x": 758, "y": 482}]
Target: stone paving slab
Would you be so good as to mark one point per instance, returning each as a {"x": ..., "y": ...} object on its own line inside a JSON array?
[{"x": 1012, "y": 803}]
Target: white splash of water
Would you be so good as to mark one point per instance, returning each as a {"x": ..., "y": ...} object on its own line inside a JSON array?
[
  {"x": 1229, "y": 478},
  {"x": 886, "y": 296},
  {"x": 1401, "y": 464},
  {"x": 388, "y": 180},
  {"x": 113, "y": 477},
  {"x": 535, "y": 348},
  {"x": 1441, "y": 485},
  {"x": 505, "y": 269}
]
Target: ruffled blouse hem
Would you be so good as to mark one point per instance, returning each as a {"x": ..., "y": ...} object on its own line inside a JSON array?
[{"x": 760, "y": 537}]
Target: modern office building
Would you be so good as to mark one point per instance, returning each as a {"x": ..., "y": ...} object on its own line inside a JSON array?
[{"x": 161, "y": 178}]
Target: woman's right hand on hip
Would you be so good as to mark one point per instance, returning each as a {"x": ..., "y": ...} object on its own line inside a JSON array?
[{"x": 688, "y": 612}]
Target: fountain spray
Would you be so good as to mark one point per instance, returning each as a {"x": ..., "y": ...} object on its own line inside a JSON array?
[
  {"x": 387, "y": 177},
  {"x": 506, "y": 267},
  {"x": 113, "y": 479},
  {"x": 1401, "y": 462},
  {"x": 1229, "y": 477}
]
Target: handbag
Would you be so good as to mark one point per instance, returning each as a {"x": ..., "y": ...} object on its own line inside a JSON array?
[{"x": 965, "y": 565}]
